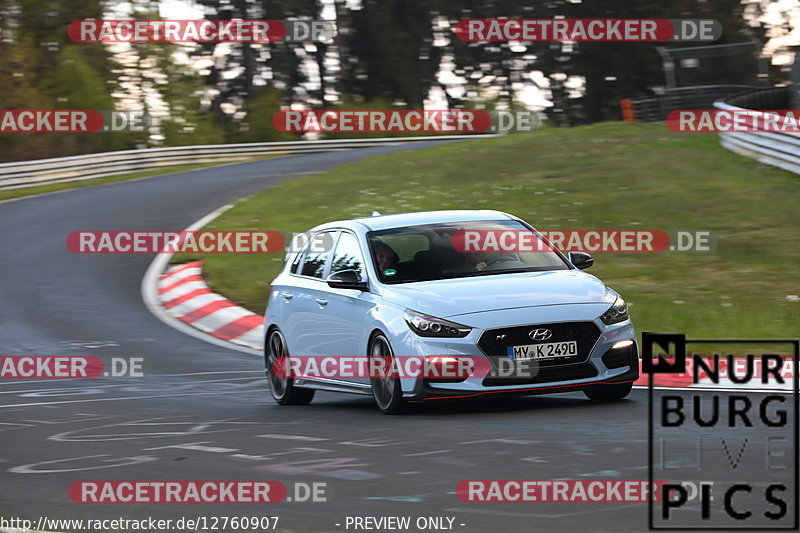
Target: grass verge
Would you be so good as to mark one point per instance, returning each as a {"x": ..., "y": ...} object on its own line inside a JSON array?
[{"x": 607, "y": 176}]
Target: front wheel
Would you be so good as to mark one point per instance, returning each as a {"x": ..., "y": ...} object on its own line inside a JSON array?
[
  {"x": 385, "y": 388},
  {"x": 608, "y": 393},
  {"x": 281, "y": 387}
]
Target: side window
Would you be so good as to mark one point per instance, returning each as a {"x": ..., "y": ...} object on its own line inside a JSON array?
[
  {"x": 315, "y": 257},
  {"x": 298, "y": 259},
  {"x": 348, "y": 255}
]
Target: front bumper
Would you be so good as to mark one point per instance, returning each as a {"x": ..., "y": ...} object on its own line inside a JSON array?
[
  {"x": 597, "y": 363},
  {"x": 426, "y": 390}
]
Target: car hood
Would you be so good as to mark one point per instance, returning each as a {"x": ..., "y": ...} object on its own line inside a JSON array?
[{"x": 461, "y": 296}]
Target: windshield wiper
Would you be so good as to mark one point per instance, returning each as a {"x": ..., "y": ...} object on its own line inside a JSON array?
[{"x": 507, "y": 271}]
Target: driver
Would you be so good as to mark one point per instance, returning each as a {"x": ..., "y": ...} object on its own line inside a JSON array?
[
  {"x": 479, "y": 260},
  {"x": 385, "y": 256},
  {"x": 468, "y": 261}
]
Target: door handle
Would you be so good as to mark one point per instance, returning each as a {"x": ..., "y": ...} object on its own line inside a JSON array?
[
  {"x": 321, "y": 301},
  {"x": 287, "y": 296}
]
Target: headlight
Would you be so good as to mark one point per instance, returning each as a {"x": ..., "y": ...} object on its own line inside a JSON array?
[
  {"x": 430, "y": 326},
  {"x": 616, "y": 313}
]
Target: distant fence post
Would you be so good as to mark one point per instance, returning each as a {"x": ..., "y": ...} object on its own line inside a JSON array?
[{"x": 626, "y": 106}]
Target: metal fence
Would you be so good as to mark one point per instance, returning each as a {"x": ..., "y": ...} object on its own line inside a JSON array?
[
  {"x": 656, "y": 108},
  {"x": 86, "y": 167},
  {"x": 771, "y": 148}
]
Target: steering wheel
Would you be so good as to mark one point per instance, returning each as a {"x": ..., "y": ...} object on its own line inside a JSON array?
[{"x": 502, "y": 258}]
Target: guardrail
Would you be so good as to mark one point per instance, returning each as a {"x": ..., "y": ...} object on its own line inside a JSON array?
[
  {"x": 776, "y": 149},
  {"x": 91, "y": 166}
]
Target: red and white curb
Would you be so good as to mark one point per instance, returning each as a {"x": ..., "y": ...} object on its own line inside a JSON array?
[
  {"x": 180, "y": 298},
  {"x": 184, "y": 295}
]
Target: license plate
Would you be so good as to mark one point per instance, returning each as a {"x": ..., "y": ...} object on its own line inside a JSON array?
[{"x": 543, "y": 351}]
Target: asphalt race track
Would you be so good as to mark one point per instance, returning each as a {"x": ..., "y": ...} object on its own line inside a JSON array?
[{"x": 203, "y": 411}]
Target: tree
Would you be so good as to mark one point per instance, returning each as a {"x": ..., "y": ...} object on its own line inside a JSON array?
[
  {"x": 40, "y": 68},
  {"x": 241, "y": 71},
  {"x": 387, "y": 51}
]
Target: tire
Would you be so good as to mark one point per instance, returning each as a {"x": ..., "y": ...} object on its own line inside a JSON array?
[
  {"x": 282, "y": 389},
  {"x": 608, "y": 393},
  {"x": 387, "y": 392}
]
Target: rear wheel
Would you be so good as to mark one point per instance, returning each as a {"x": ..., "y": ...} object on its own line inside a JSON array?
[
  {"x": 386, "y": 389},
  {"x": 281, "y": 387},
  {"x": 608, "y": 393}
]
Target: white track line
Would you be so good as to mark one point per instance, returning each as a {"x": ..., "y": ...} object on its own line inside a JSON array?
[
  {"x": 92, "y": 400},
  {"x": 151, "y": 300}
]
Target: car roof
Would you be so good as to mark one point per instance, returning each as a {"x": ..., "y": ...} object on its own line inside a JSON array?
[{"x": 381, "y": 222}]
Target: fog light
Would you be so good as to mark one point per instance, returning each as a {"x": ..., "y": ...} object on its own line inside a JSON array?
[
  {"x": 446, "y": 368},
  {"x": 622, "y": 344}
]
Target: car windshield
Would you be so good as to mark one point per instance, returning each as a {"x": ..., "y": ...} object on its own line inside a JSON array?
[{"x": 458, "y": 250}]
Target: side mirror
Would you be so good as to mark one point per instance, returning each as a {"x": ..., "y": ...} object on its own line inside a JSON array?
[
  {"x": 581, "y": 260},
  {"x": 347, "y": 279}
]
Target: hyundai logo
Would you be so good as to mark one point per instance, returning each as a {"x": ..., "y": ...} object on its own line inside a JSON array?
[{"x": 540, "y": 334}]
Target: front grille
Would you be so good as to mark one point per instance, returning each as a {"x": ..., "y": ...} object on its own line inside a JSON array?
[
  {"x": 621, "y": 357},
  {"x": 585, "y": 333},
  {"x": 546, "y": 375}
]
